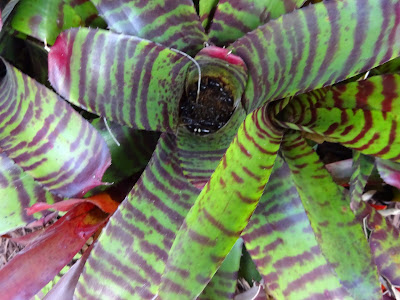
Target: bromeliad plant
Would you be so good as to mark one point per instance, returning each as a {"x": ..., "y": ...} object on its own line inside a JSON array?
[{"x": 156, "y": 70}]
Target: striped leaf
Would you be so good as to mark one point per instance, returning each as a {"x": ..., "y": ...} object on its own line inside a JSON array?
[
  {"x": 47, "y": 138},
  {"x": 223, "y": 284},
  {"x": 339, "y": 235},
  {"x": 389, "y": 171},
  {"x": 283, "y": 245},
  {"x": 172, "y": 23},
  {"x": 362, "y": 169},
  {"x": 206, "y": 11},
  {"x": 126, "y": 79},
  {"x": 317, "y": 46},
  {"x": 222, "y": 210},
  {"x": 362, "y": 115},
  {"x": 44, "y": 20},
  {"x": 131, "y": 253},
  {"x": 233, "y": 19},
  {"x": 18, "y": 191}
]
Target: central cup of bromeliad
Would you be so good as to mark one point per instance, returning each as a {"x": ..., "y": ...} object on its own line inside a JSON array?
[{"x": 207, "y": 108}]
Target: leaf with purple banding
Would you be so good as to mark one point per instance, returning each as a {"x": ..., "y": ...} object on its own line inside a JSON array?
[
  {"x": 232, "y": 193},
  {"x": 389, "y": 171},
  {"x": 317, "y": 46},
  {"x": 339, "y": 235},
  {"x": 206, "y": 9},
  {"x": 133, "y": 249},
  {"x": 126, "y": 79},
  {"x": 18, "y": 191},
  {"x": 47, "y": 138},
  {"x": 233, "y": 19},
  {"x": 223, "y": 284},
  {"x": 172, "y": 23},
  {"x": 283, "y": 244},
  {"x": 362, "y": 115}
]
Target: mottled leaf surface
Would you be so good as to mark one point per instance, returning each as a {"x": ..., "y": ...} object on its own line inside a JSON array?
[
  {"x": 317, "y": 46},
  {"x": 131, "y": 253},
  {"x": 223, "y": 284},
  {"x": 222, "y": 209},
  {"x": 362, "y": 115},
  {"x": 389, "y": 171},
  {"x": 233, "y": 19},
  {"x": 339, "y": 235},
  {"x": 126, "y": 79},
  {"x": 283, "y": 245},
  {"x": 40, "y": 261},
  {"x": 18, "y": 191},
  {"x": 47, "y": 138},
  {"x": 172, "y": 23}
]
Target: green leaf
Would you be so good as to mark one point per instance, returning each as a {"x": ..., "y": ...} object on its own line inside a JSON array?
[
  {"x": 206, "y": 11},
  {"x": 44, "y": 20},
  {"x": 233, "y": 19},
  {"x": 47, "y": 138},
  {"x": 283, "y": 245},
  {"x": 126, "y": 79},
  {"x": 339, "y": 235},
  {"x": 131, "y": 253},
  {"x": 362, "y": 115},
  {"x": 171, "y": 23},
  {"x": 219, "y": 215},
  {"x": 18, "y": 191},
  {"x": 223, "y": 284},
  {"x": 317, "y": 46}
]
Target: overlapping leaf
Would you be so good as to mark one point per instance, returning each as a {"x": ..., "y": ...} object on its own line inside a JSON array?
[
  {"x": 389, "y": 171},
  {"x": 232, "y": 193},
  {"x": 128, "y": 80},
  {"x": 130, "y": 255},
  {"x": 340, "y": 237},
  {"x": 47, "y": 138},
  {"x": 362, "y": 115},
  {"x": 233, "y": 19},
  {"x": 318, "y": 46},
  {"x": 40, "y": 261},
  {"x": 172, "y": 23}
]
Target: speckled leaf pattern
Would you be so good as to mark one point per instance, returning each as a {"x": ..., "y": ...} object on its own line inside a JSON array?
[
  {"x": 283, "y": 246},
  {"x": 233, "y": 19},
  {"x": 130, "y": 256},
  {"x": 43, "y": 19},
  {"x": 362, "y": 115},
  {"x": 18, "y": 191},
  {"x": 126, "y": 79},
  {"x": 340, "y": 237},
  {"x": 361, "y": 170},
  {"x": 220, "y": 214},
  {"x": 47, "y": 138},
  {"x": 222, "y": 285},
  {"x": 172, "y": 23},
  {"x": 317, "y": 46},
  {"x": 389, "y": 171}
]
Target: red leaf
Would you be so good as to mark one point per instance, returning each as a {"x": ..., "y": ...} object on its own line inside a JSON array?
[{"x": 41, "y": 260}]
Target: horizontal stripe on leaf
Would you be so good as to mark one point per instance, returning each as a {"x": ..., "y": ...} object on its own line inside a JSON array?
[
  {"x": 131, "y": 253},
  {"x": 362, "y": 115},
  {"x": 47, "y": 138},
  {"x": 339, "y": 235},
  {"x": 171, "y": 23},
  {"x": 283, "y": 246},
  {"x": 233, "y": 19},
  {"x": 18, "y": 191},
  {"x": 223, "y": 208},
  {"x": 223, "y": 284},
  {"x": 126, "y": 79},
  {"x": 317, "y": 46}
]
